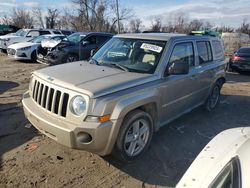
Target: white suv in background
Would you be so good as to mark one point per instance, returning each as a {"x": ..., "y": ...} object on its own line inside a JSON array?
[{"x": 24, "y": 35}]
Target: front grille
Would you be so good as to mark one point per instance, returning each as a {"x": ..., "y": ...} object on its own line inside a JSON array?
[
  {"x": 52, "y": 100},
  {"x": 11, "y": 51}
]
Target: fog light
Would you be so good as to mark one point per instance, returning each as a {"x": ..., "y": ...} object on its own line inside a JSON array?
[{"x": 84, "y": 138}]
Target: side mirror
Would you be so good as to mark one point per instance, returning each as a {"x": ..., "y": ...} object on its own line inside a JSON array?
[
  {"x": 84, "y": 43},
  {"x": 92, "y": 52},
  {"x": 178, "y": 67}
]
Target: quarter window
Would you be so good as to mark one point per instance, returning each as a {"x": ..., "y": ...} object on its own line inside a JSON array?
[
  {"x": 204, "y": 52},
  {"x": 183, "y": 52},
  {"x": 218, "y": 51}
]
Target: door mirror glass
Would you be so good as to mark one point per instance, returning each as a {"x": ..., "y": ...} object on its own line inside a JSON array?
[{"x": 178, "y": 67}]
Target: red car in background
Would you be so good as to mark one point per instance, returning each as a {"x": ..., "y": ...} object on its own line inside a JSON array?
[{"x": 240, "y": 61}]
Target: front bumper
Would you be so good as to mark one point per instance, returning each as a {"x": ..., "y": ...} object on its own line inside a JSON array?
[
  {"x": 68, "y": 134},
  {"x": 17, "y": 54},
  {"x": 52, "y": 58}
]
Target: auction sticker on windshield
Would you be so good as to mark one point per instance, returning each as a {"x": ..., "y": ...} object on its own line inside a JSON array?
[{"x": 151, "y": 47}]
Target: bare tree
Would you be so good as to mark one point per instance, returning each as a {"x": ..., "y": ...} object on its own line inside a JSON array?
[
  {"x": 245, "y": 27},
  {"x": 22, "y": 18},
  {"x": 52, "y": 18},
  {"x": 156, "y": 24},
  {"x": 135, "y": 25},
  {"x": 38, "y": 17},
  {"x": 98, "y": 15}
]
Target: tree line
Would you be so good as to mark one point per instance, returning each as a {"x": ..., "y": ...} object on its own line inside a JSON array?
[{"x": 101, "y": 16}]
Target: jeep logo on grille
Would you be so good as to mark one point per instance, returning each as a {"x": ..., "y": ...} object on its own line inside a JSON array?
[{"x": 50, "y": 79}]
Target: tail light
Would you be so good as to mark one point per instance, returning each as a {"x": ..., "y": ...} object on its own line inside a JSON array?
[{"x": 236, "y": 58}]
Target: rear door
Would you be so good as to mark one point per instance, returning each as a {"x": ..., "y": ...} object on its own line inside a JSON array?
[{"x": 206, "y": 68}]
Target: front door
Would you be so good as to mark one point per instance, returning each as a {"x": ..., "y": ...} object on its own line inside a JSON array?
[{"x": 179, "y": 91}]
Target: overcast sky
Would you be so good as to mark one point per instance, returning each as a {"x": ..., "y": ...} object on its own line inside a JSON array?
[{"x": 218, "y": 12}]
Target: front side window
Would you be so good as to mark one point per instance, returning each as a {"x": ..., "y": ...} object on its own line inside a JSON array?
[
  {"x": 33, "y": 34},
  {"x": 204, "y": 52},
  {"x": 76, "y": 38},
  {"x": 183, "y": 52},
  {"x": 135, "y": 55},
  {"x": 91, "y": 39},
  {"x": 229, "y": 177}
]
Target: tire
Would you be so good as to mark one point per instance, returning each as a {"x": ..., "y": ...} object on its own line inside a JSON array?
[
  {"x": 214, "y": 97},
  {"x": 33, "y": 57},
  {"x": 134, "y": 136},
  {"x": 72, "y": 58}
]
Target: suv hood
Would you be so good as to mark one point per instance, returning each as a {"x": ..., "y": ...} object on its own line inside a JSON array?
[
  {"x": 91, "y": 79},
  {"x": 50, "y": 43},
  {"x": 10, "y": 37}
]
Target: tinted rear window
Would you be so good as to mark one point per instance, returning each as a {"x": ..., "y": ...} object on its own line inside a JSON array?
[{"x": 244, "y": 50}]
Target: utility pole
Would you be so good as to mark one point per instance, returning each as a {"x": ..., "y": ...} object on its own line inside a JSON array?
[{"x": 118, "y": 17}]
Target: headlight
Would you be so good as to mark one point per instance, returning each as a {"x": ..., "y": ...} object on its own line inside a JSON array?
[
  {"x": 78, "y": 105},
  {"x": 26, "y": 48}
]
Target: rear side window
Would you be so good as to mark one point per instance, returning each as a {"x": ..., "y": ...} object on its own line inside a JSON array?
[
  {"x": 57, "y": 32},
  {"x": 44, "y": 32},
  {"x": 204, "y": 52},
  {"x": 183, "y": 52},
  {"x": 218, "y": 51}
]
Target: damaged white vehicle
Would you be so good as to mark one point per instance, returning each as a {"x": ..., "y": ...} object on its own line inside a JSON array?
[
  {"x": 24, "y": 35},
  {"x": 28, "y": 50},
  {"x": 223, "y": 163}
]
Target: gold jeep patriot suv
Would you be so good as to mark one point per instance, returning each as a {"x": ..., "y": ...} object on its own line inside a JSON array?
[{"x": 132, "y": 86}]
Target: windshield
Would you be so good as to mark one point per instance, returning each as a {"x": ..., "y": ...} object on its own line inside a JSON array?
[
  {"x": 21, "y": 33},
  {"x": 39, "y": 39},
  {"x": 135, "y": 55},
  {"x": 76, "y": 37},
  {"x": 244, "y": 50}
]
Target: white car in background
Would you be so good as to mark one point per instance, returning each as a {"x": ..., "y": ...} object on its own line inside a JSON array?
[
  {"x": 28, "y": 50},
  {"x": 24, "y": 35},
  {"x": 223, "y": 163}
]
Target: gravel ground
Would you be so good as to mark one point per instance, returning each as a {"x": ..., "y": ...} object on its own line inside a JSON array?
[{"x": 29, "y": 159}]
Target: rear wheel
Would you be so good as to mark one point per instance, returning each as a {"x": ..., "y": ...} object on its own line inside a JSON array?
[
  {"x": 134, "y": 136},
  {"x": 214, "y": 97},
  {"x": 72, "y": 58}
]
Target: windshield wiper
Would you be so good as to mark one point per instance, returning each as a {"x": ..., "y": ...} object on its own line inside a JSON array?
[{"x": 120, "y": 66}]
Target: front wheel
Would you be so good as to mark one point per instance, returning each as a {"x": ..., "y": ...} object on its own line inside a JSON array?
[
  {"x": 72, "y": 58},
  {"x": 134, "y": 137},
  {"x": 34, "y": 57},
  {"x": 214, "y": 97}
]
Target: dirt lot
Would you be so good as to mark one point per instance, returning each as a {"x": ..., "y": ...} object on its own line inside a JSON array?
[{"x": 29, "y": 159}]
